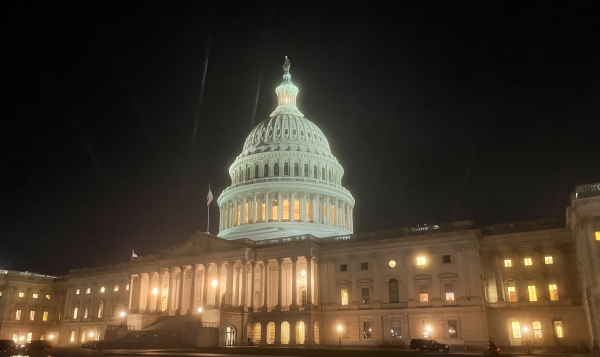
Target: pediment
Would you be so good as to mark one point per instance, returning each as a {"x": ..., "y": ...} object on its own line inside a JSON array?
[{"x": 199, "y": 243}]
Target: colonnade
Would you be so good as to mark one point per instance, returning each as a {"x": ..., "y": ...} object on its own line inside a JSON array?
[
  {"x": 279, "y": 206},
  {"x": 235, "y": 283}
]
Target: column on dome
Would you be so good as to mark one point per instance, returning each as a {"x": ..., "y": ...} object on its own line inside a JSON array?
[
  {"x": 280, "y": 207},
  {"x": 267, "y": 207},
  {"x": 244, "y": 283},
  {"x": 252, "y": 287},
  {"x": 336, "y": 217},
  {"x": 255, "y": 209},
  {"x": 206, "y": 282},
  {"x": 292, "y": 207},
  {"x": 244, "y": 213},
  {"x": 351, "y": 220},
  {"x": 303, "y": 217},
  {"x": 149, "y": 293}
]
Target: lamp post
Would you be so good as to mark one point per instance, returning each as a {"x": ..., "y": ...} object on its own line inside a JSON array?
[
  {"x": 122, "y": 316},
  {"x": 526, "y": 339},
  {"x": 340, "y": 331},
  {"x": 199, "y": 315}
]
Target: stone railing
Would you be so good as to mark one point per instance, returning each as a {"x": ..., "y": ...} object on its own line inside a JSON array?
[
  {"x": 300, "y": 179},
  {"x": 120, "y": 327},
  {"x": 538, "y": 225},
  {"x": 589, "y": 190}
]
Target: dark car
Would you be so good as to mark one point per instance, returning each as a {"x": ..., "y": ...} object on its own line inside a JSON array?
[
  {"x": 7, "y": 346},
  {"x": 92, "y": 345},
  {"x": 423, "y": 344},
  {"x": 38, "y": 345}
]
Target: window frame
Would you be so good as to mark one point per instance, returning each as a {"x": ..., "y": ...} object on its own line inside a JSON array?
[
  {"x": 343, "y": 268},
  {"x": 364, "y": 267}
]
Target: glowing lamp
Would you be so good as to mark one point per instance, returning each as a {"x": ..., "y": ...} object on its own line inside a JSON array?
[
  {"x": 340, "y": 328},
  {"x": 122, "y": 314},
  {"x": 199, "y": 310},
  {"x": 214, "y": 283},
  {"x": 155, "y": 291},
  {"x": 525, "y": 328},
  {"x": 51, "y": 336},
  {"x": 91, "y": 334}
]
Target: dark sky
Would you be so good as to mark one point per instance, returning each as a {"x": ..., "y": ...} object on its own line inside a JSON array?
[{"x": 438, "y": 112}]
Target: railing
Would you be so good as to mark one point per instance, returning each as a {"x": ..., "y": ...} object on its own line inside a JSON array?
[
  {"x": 492, "y": 304},
  {"x": 200, "y": 324},
  {"x": 527, "y": 226},
  {"x": 287, "y": 179},
  {"x": 589, "y": 190},
  {"x": 121, "y": 327},
  {"x": 285, "y": 308}
]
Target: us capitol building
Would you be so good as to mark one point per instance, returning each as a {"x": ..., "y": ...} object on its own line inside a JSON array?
[{"x": 287, "y": 269}]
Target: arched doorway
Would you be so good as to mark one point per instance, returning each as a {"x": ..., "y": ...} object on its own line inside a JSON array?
[
  {"x": 270, "y": 333},
  {"x": 256, "y": 337},
  {"x": 316, "y": 332},
  {"x": 514, "y": 332},
  {"x": 230, "y": 336},
  {"x": 285, "y": 333},
  {"x": 300, "y": 332}
]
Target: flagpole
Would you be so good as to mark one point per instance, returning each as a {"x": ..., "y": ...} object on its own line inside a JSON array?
[{"x": 208, "y": 214}]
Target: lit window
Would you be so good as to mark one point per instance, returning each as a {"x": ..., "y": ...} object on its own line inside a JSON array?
[
  {"x": 0, "y": 293},
  {"x": 238, "y": 214},
  {"x": 423, "y": 293},
  {"x": 127, "y": 287},
  {"x": 344, "y": 296},
  {"x": 15, "y": 338},
  {"x": 332, "y": 215},
  {"x": 553, "y": 292},
  {"x": 21, "y": 294},
  {"x": 29, "y": 336},
  {"x": 296, "y": 210},
  {"x": 396, "y": 329},
  {"x": 449, "y": 287},
  {"x": 548, "y": 259},
  {"x": 421, "y": 261},
  {"x": 537, "y": 329},
  {"x": 45, "y": 316},
  {"x": 77, "y": 292},
  {"x": 365, "y": 295},
  {"x": 512, "y": 294},
  {"x": 532, "y": 294},
  {"x": 246, "y": 213},
  {"x": 452, "y": 328},
  {"x": 116, "y": 288},
  {"x": 302, "y": 272},
  {"x": 507, "y": 263},
  {"x": 367, "y": 329},
  {"x": 18, "y": 315},
  {"x": 86, "y": 312},
  {"x": 101, "y": 309},
  {"x": 307, "y": 210},
  {"x": 102, "y": 290},
  {"x": 527, "y": 261},
  {"x": 303, "y": 296},
  {"x": 32, "y": 315},
  {"x": 286, "y": 209},
  {"x": 47, "y": 297},
  {"x": 558, "y": 328},
  {"x": 72, "y": 336},
  {"x": 75, "y": 310},
  {"x": 364, "y": 266},
  {"x": 35, "y": 296},
  {"x": 598, "y": 235},
  {"x": 516, "y": 329},
  {"x": 88, "y": 290},
  {"x": 83, "y": 336},
  {"x": 274, "y": 210},
  {"x": 392, "y": 263}
]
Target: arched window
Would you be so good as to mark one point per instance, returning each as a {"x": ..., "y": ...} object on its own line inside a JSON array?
[
  {"x": 256, "y": 171},
  {"x": 316, "y": 333},
  {"x": 286, "y": 209},
  {"x": 393, "y": 288},
  {"x": 285, "y": 333},
  {"x": 230, "y": 336},
  {"x": 305, "y": 170},
  {"x": 296, "y": 169},
  {"x": 262, "y": 211},
  {"x": 266, "y": 170},
  {"x": 276, "y": 169},
  {"x": 274, "y": 210},
  {"x": 246, "y": 213},
  {"x": 300, "y": 332},
  {"x": 332, "y": 215},
  {"x": 256, "y": 338},
  {"x": 239, "y": 211},
  {"x": 101, "y": 308},
  {"x": 75, "y": 311},
  {"x": 286, "y": 169},
  {"x": 248, "y": 173},
  {"x": 303, "y": 296},
  {"x": 271, "y": 333},
  {"x": 323, "y": 174},
  {"x": 315, "y": 172},
  {"x": 296, "y": 210},
  {"x": 307, "y": 210}
]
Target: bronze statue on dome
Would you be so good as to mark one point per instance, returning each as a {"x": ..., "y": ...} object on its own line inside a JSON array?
[{"x": 286, "y": 65}]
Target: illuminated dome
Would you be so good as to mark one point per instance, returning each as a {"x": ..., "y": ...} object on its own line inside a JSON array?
[{"x": 285, "y": 182}]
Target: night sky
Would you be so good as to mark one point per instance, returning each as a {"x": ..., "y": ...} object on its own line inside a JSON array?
[{"x": 438, "y": 112}]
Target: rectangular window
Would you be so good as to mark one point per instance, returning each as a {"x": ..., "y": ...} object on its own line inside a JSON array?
[
  {"x": 507, "y": 263},
  {"x": 296, "y": 210},
  {"x": 364, "y": 266},
  {"x": 421, "y": 261},
  {"x": 21, "y": 294},
  {"x": 35, "y": 296},
  {"x": 75, "y": 310},
  {"x": 396, "y": 329},
  {"x": 45, "y": 316},
  {"x": 116, "y": 288},
  {"x": 548, "y": 259},
  {"x": 15, "y": 337},
  {"x": 553, "y": 292},
  {"x": 516, "y": 329},
  {"x": 86, "y": 312},
  {"x": 307, "y": 210},
  {"x": 77, "y": 291},
  {"x": 29, "y": 336},
  {"x": 47, "y": 297},
  {"x": 452, "y": 328},
  {"x": 527, "y": 261},
  {"x": 532, "y": 293},
  {"x": 512, "y": 294},
  {"x": 18, "y": 315},
  {"x": 88, "y": 291},
  {"x": 127, "y": 287},
  {"x": 365, "y": 295},
  {"x": 83, "y": 336},
  {"x": 423, "y": 293},
  {"x": 32, "y": 315},
  {"x": 558, "y": 328},
  {"x": 449, "y": 287},
  {"x": 598, "y": 235},
  {"x": 537, "y": 329},
  {"x": 344, "y": 296},
  {"x": 343, "y": 267},
  {"x": 446, "y": 259},
  {"x": 72, "y": 336},
  {"x": 367, "y": 329}
]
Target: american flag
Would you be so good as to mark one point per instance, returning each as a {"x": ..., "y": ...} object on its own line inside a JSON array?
[{"x": 209, "y": 198}]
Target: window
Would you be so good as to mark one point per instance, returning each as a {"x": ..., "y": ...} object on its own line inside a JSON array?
[
  {"x": 598, "y": 235},
  {"x": 553, "y": 292},
  {"x": 303, "y": 296},
  {"x": 452, "y": 328},
  {"x": 532, "y": 294},
  {"x": 45, "y": 316},
  {"x": 305, "y": 170},
  {"x": 527, "y": 261},
  {"x": 344, "y": 296},
  {"x": 449, "y": 287},
  {"x": 392, "y": 263},
  {"x": 332, "y": 215},
  {"x": 365, "y": 295},
  {"x": 507, "y": 263},
  {"x": 47, "y": 297},
  {"x": 537, "y": 329},
  {"x": 102, "y": 289},
  {"x": 367, "y": 329},
  {"x": 276, "y": 169},
  {"x": 21, "y": 294},
  {"x": 512, "y": 294},
  {"x": 307, "y": 210},
  {"x": 127, "y": 287},
  {"x": 343, "y": 267},
  {"x": 256, "y": 171},
  {"x": 296, "y": 169},
  {"x": 35, "y": 296},
  {"x": 262, "y": 211},
  {"x": 86, "y": 312},
  {"x": 72, "y": 336},
  {"x": 239, "y": 209},
  {"x": 446, "y": 259},
  {"x": 286, "y": 169},
  {"x": 516, "y": 329},
  {"x": 393, "y": 288},
  {"x": 558, "y": 329},
  {"x": 29, "y": 336},
  {"x": 18, "y": 315},
  {"x": 421, "y": 261},
  {"x": 245, "y": 213},
  {"x": 266, "y": 170},
  {"x": 396, "y": 329},
  {"x": 15, "y": 338},
  {"x": 364, "y": 266},
  {"x": 423, "y": 293},
  {"x": 286, "y": 209},
  {"x": 323, "y": 174},
  {"x": 548, "y": 259},
  {"x": 101, "y": 309},
  {"x": 32, "y": 315},
  {"x": 77, "y": 291},
  {"x": 274, "y": 210},
  {"x": 296, "y": 210},
  {"x": 116, "y": 288},
  {"x": 88, "y": 291},
  {"x": 83, "y": 332},
  {"x": 75, "y": 310}
]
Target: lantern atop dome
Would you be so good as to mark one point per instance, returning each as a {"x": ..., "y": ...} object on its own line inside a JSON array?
[{"x": 286, "y": 93}]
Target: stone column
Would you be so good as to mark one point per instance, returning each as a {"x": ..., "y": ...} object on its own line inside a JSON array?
[
  {"x": 193, "y": 289},
  {"x": 294, "y": 286},
  {"x": 237, "y": 301},
  {"x": 180, "y": 295},
  {"x": 302, "y": 207},
  {"x": 170, "y": 296},
  {"x": 252, "y": 287},
  {"x": 244, "y": 213},
  {"x": 313, "y": 209},
  {"x": 326, "y": 213},
  {"x": 236, "y": 213},
  {"x": 149, "y": 293},
  {"x": 266, "y": 285},
  {"x": 218, "y": 287},
  {"x": 159, "y": 293},
  {"x": 279, "y": 282},
  {"x": 316, "y": 282},
  {"x": 229, "y": 284},
  {"x": 206, "y": 285},
  {"x": 308, "y": 280},
  {"x": 337, "y": 213},
  {"x": 255, "y": 209},
  {"x": 131, "y": 277},
  {"x": 279, "y": 207},
  {"x": 243, "y": 298},
  {"x": 267, "y": 207}
]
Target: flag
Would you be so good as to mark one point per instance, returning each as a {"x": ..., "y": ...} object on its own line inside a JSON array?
[
  {"x": 209, "y": 198},
  {"x": 133, "y": 255}
]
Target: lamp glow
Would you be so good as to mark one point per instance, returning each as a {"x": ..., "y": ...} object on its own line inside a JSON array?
[
  {"x": 199, "y": 310},
  {"x": 525, "y": 328},
  {"x": 51, "y": 336},
  {"x": 91, "y": 334},
  {"x": 340, "y": 328},
  {"x": 155, "y": 291},
  {"x": 122, "y": 314},
  {"x": 214, "y": 283}
]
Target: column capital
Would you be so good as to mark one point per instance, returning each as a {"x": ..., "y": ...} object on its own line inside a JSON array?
[
  {"x": 279, "y": 260},
  {"x": 219, "y": 264},
  {"x": 294, "y": 259},
  {"x": 266, "y": 262}
]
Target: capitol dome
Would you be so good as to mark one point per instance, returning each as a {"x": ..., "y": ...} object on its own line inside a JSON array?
[{"x": 286, "y": 181}]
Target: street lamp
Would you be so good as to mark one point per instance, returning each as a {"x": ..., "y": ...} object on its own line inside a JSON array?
[
  {"x": 155, "y": 291},
  {"x": 526, "y": 329},
  {"x": 199, "y": 315},
  {"x": 51, "y": 337},
  {"x": 340, "y": 330},
  {"x": 122, "y": 316}
]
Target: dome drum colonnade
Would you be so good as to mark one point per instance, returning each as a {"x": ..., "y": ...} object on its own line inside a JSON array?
[{"x": 286, "y": 181}]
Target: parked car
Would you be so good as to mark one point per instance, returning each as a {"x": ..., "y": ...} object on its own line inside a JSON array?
[
  {"x": 7, "y": 346},
  {"x": 423, "y": 344},
  {"x": 92, "y": 345},
  {"x": 38, "y": 345}
]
